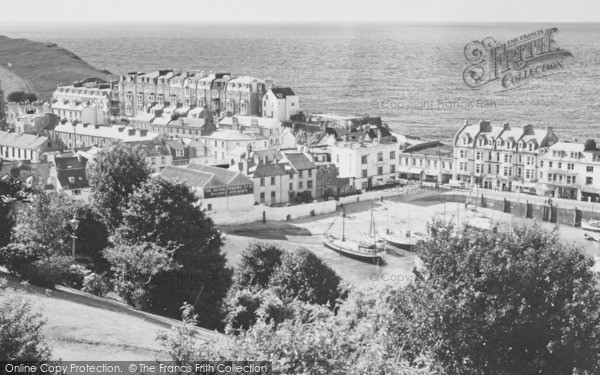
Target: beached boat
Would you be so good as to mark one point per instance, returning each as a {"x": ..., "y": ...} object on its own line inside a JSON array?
[
  {"x": 372, "y": 252},
  {"x": 592, "y": 236},
  {"x": 591, "y": 225},
  {"x": 405, "y": 240}
]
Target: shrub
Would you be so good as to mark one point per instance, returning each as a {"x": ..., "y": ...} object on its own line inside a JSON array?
[
  {"x": 95, "y": 284},
  {"x": 303, "y": 276},
  {"x": 21, "y": 336},
  {"x": 259, "y": 261},
  {"x": 244, "y": 307},
  {"x": 52, "y": 271}
]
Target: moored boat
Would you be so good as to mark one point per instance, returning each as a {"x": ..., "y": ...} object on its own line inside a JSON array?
[
  {"x": 353, "y": 249},
  {"x": 591, "y": 225},
  {"x": 405, "y": 240}
]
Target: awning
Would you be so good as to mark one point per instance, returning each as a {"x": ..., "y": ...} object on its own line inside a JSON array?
[
  {"x": 430, "y": 173},
  {"x": 415, "y": 170},
  {"x": 530, "y": 185},
  {"x": 544, "y": 187},
  {"x": 403, "y": 169}
]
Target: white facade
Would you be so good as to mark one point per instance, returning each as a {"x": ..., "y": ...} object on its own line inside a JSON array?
[
  {"x": 84, "y": 104},
  {"x": 366, "y": 163},
  {"x": 280, "y": 104}
]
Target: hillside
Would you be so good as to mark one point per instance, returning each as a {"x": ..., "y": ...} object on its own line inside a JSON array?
[
  {"x": 39, "y": 67},
  {"x": 88, "y": 328}
]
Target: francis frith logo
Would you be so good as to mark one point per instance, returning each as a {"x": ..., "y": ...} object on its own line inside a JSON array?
[{"x": 514, "y": 62}]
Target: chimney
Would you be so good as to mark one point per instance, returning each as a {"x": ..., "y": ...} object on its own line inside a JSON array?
[
  {"x": 506, "y": 126},
  {"x": 121, "y": 128},
  {"x": 131, "y": 132},
  {"x": 379, "y": 135},
  {"x": 96, "y": 126},
  {"x": 85, "y": 125},
  {"x": 245, "y": 166},
  {"x": 143, "y": 132},
  {"x": 234, "y": 123}
]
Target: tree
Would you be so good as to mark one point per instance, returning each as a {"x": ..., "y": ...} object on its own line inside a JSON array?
[
  {"x": 312, "y": 340},
  {"x": 21, "y": 97},
  {"x": 136, "y": 268},
  {"x": 164, "y": 212},
  {"x": 12, "y": 190},
  {"x": 299, "y": 116},
  {"x": 114, "y": 173},
  {"x": 259, "y": 261},
  {"x": 21, "y": 337},
  {"x": 244, "y": 307},
  {"x": 303, "y": 276},
  {"x": 510, "y": 301}
]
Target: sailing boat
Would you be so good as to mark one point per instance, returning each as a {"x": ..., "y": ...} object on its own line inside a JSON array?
[
  {"x": 591, "y": 224},
  {"x": 354, "y": 249},
  {"x": 405, "y": 240}
]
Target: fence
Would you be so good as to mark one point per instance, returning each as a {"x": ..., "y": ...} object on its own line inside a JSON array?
[{"x": 264, "y": 213}]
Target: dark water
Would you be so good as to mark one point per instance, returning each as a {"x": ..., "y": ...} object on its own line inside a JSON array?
[{"x": 344, "y": 68}]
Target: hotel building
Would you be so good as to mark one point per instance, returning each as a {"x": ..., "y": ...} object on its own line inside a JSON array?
[{"x": 499, "y": 157}]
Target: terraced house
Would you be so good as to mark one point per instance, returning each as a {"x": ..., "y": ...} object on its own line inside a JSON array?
[
  {"x": 500, "y": 157},
  {"x": 222, "y": 93}
]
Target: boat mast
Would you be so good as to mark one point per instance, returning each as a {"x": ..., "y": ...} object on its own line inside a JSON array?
[{"x": 344, "y": 223}]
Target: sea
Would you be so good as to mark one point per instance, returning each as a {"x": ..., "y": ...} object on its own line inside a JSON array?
[{"x": 409, "y": 74}]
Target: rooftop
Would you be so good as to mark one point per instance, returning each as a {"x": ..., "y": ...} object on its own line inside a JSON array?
[
  {"x": 119, "y": 132},
  {"x": 299, "y": 161},
  {"x": 23, "y": 141},
  {"x": 283, "y": 92}
]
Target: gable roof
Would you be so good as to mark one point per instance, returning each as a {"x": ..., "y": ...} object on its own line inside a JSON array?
[
  {"x": 222, "y": 177},
  {"x": 71, "y": 162},
  {"x": 72, "y": 178},
  {"x": 269, "y": 169},
  {"x": 24, "y": 141},
  {"x": 299, "y": 161},
  {"x": 282, "y": 92},
  {"x": 192, "y": 177}
]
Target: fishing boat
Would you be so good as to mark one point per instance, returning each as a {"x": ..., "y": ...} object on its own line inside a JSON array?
[
  {"x": 405, "y": 240},
  {"x": 372, "y": 252},
  {"x": 591, "y": 225},
  {"x": 592, "y": 237}
]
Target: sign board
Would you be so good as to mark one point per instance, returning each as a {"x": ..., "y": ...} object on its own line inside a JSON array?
[{"x": 222, "y": 191}]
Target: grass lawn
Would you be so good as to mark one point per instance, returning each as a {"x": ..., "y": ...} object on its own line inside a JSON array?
[{"x": 84, "y": 327}]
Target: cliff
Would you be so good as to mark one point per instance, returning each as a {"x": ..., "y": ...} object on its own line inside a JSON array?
[{"x": 39, "y": 67}]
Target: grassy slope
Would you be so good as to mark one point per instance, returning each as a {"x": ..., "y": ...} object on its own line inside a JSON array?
[
  {"x": 44, "y": 65},
  {"x": 84, "y": 327}
]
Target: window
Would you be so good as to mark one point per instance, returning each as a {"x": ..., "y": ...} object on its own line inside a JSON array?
[
  {"x": 310, "y": 173},
  {"x": 262, "y": 197},
  {"x": 392, "y": 155},
  {"x": 364, "y": 173},
  {"x": 262, "y": 181},
  {"x": 272, "y": 196},
  {"x": 364, "y": 159},
  {"x": 309, "y": 184},
  {"x": 589, "y": 168},
  {"x": 589, "y": 180},
  {"x": 152, "y": 161},
  {"x": 300, "y": 174},
  {"x": 300, "y": 185},
  {"x": 380, "y": 170},
  {"x": 291, "y": 186},
  {"x": 209, "y": 206},
  {"x": 393, "y": 168},
  {"x": 272, "y": 180},
  {"x": 380, "y": 156}
]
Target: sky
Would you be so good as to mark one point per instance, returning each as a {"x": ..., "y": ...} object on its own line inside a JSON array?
[{"x": 301, "y": 11}]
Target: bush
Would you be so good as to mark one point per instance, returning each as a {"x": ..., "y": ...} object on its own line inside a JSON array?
[
  {"x": 95, "y": 284},
  {"x": 244, "y": 307},
  {"x": 56, "y": 270},
  {"x": 303, "y": 276},
  {"x": 21, "y": 336},
  {"x": 259, "y": 261}
]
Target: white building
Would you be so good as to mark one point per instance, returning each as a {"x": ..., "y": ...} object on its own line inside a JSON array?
[
  {"x": 26, "y": 147},
  {"x": 500, "y": 157},
  {"x": 218, "y": 189},
  {"x": 278, "y": 135},
  {"x": 368, "y": 162},
  {"x": 85, "y": 135},
  {"x": 83, "y": 102},
  {"x": 280, "y": 103}
]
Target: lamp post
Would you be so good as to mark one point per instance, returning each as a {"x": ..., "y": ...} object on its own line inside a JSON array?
[{"x": 74, "y": 225}]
